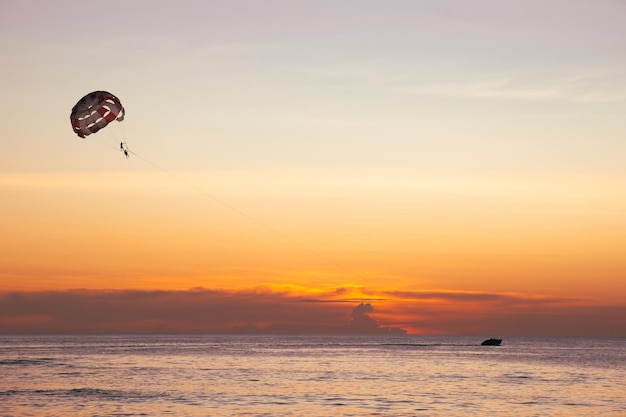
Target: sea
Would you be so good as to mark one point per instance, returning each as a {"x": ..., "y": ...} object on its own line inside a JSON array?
[{"x": 338, "y": 375}]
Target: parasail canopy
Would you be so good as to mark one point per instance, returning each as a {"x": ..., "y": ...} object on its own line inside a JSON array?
[{"x": 95, "y": 111}]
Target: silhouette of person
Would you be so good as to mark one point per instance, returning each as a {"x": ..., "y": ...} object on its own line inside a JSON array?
[{"x": 124, "y": 149}]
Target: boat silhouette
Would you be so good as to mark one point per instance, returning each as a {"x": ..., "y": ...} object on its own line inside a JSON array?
[{"x": 491, "y": 342}]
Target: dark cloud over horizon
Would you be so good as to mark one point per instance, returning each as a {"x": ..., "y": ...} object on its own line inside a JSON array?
[
  {"x": 362, "y": 322},
  {"x": 193, "y": 311},
  {"x": 266, "y": 311}
]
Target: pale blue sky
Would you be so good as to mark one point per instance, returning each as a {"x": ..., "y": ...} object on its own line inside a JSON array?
[{"x": 439, "y": 85}]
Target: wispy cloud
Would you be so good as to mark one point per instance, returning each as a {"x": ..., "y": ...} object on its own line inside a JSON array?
[
  {"x": 496, "y": 88},
  {"x": 579, "y": 85},
  {"x": 487, "y": 297},
  {"x": 584, "y": 87}
]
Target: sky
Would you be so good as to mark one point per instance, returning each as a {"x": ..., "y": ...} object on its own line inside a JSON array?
[{"x": 434, "y": 167}]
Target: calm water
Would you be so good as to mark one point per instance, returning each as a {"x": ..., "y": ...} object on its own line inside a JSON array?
[{"x": 310, "y": 376}]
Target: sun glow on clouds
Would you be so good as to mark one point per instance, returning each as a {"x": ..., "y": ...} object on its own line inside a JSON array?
[{"x": 264, "y": 310}]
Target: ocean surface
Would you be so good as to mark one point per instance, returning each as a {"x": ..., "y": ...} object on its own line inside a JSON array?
[{"x": 236, "y": 375}]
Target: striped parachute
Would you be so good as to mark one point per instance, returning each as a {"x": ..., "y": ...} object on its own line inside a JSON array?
[{"x": 95, "y": 111}]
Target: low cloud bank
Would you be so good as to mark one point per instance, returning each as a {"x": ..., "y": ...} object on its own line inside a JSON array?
[
  {"x": 266, "y": 311},
  {"x": 193, "y": 311}
]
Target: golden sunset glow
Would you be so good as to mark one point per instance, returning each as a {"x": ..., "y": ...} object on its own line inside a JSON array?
[{"x": 320, "y": 170}]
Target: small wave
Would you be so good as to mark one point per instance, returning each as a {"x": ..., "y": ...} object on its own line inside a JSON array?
[
  {"x": 83, "y": 393},
  {"x": 577, "y": 405},
  {"x": 336, "y": 401},
  {"x": 126, "y": 414},
  {"x": 428, "y": 344},
  {"x": 100, "y": 393},
  {"x": 26, "y": 362},
  {"x": 67, "y": 374}
]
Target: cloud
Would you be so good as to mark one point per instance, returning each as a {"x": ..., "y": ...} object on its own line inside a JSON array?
[
  {"x": 273, "y": 311},
  {"x": 542, "y": 320},
  {"x": 583, "y": 84},
  {"x": 583, "y": 88},
  {"x": 362, "y": 323},
  {"x": 505, "y": 314},
  {"x": 485, "y": 297},
  {"x": 192, "y": 311},
  {"x": 495, "y": 88}
]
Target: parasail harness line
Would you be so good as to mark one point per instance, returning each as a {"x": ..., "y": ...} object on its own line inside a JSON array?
[
  {"x": 236, "y": 210},
  {"x": 97, "y": 109}
]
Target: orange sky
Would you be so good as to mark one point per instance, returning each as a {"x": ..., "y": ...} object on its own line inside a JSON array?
[
  {"x": 460, "y": 168},
  {"x": 434, "y": 254}
]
